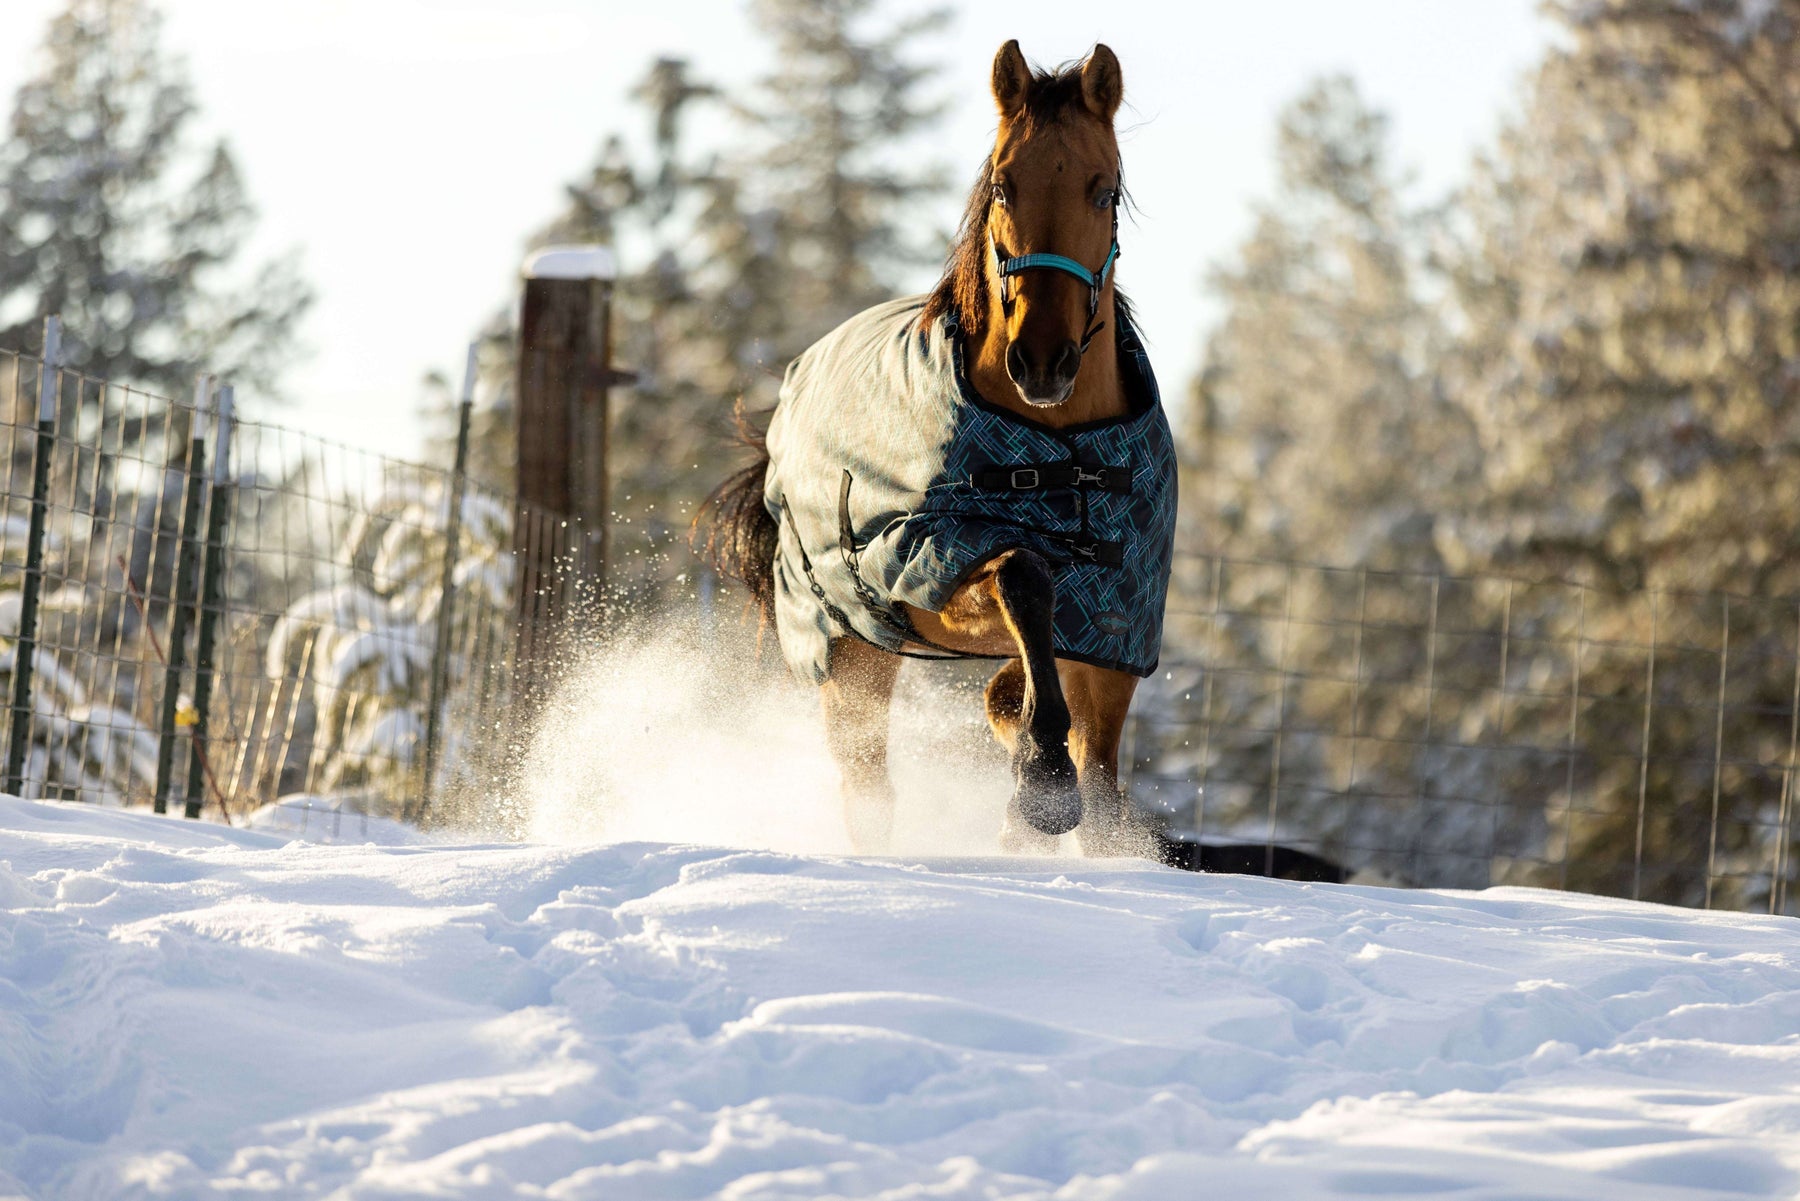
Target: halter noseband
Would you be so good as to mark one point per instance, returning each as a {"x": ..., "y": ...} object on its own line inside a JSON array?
[{"x": 1095, "y": 280}]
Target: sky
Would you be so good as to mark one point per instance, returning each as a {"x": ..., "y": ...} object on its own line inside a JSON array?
[{"x": 407, "y": 148}]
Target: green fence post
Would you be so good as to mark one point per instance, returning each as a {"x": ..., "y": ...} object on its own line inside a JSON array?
[
  {"x": 25, "y": 648},
  {"x": 185, "y": 569},
  {"x": 212, "y": 604},
  {"x": 440, "y": 656}
]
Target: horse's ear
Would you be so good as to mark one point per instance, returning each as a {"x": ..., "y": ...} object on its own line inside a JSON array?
[
  {"x": 1102, "y": 83},
  {"x": 1012, "y": 78}
]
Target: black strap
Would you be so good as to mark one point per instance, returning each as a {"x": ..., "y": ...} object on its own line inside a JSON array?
[
  {"x": 846, "y": 534},
  {"x": 1038, "y": 477},
  {"x": 1092, "y": 550},
  {"x": 847, "y": 545}
]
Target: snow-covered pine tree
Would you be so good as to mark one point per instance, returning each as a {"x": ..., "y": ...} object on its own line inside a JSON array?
[
  {"x": 1628, "y": 351},
  {"x": 1644, "y": 217},
  {"x": 110, "y": 216},
  {"x": 733, "y": 260},
  {"x": 1319, "y": 430},
  {"x": 1318, "y": 434},
  {"x": 675, "y": 322}
]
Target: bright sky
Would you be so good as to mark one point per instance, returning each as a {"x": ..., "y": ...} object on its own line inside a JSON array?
[{"x": 407, "y": 147}]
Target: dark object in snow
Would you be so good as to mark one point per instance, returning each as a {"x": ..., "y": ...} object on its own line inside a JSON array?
[{"x": 1239, "y": 859}]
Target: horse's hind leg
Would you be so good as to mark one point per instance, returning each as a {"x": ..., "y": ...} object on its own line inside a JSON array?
[
  {"x": 1005, "y": 702},
  {"x": 1098, "y": 699},
  {"x": 856, "y": 729}
]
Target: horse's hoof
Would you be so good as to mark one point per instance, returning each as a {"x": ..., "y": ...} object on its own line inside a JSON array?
[{"x": 1053, "y": 808}]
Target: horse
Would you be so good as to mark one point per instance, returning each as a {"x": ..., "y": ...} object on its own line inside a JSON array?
[{"x": 982, "y": 472}]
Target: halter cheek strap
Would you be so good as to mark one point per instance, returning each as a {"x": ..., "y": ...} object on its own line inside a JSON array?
[{"x": 1095, "y": 280}]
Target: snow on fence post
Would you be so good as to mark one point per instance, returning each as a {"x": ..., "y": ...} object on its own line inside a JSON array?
[
  {"x": 440, "y": 654},
  {"x": 179, "y": 613},
  {"x": 212, "y": 604},
  {"x": 25, "y": 647}
]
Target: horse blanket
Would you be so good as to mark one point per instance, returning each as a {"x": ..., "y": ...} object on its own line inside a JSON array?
[{"x": 892, "y": 481}]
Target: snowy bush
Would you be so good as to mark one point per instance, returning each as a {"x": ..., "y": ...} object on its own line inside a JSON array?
[
  {"x": 364, "y": 649},
  {"x": 80, "y": 746}
]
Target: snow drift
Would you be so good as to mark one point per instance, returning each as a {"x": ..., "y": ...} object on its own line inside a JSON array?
[{"x": 188, "y": 1011}]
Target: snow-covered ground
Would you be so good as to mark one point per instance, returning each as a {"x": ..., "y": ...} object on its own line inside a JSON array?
[{"x": 188, "y": 1011}]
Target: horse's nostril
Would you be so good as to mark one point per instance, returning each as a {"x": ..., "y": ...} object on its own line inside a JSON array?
[
  {"x": 1016, "y": 366},
  {"x": 1068, "y": 362}
]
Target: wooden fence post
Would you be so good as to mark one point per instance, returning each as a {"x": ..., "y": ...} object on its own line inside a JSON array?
[{"x": 565, "y": 375}]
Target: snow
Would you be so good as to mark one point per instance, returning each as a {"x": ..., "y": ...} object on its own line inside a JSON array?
[
  {"x": 332, "y": 819},
  {"x": 188, "y": 1010},
  {"x": 572, "y": 262}
]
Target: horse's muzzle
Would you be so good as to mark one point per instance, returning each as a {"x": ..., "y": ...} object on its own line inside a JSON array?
[{"x": 1045, "y": 381}]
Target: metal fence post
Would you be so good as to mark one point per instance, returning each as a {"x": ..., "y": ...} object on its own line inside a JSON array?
[
  {"x": 212, "y": 604},
  {"x": 440, "y": 655},
  {"x": 179, "y": 615},
  {"x": 25, "y": 647}
]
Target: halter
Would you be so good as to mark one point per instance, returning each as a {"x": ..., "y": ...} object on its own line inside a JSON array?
[{"x": 1095, "y": 280}]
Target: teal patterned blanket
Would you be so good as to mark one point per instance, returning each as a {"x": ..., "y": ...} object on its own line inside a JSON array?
[{"x": 892, "y": 481}]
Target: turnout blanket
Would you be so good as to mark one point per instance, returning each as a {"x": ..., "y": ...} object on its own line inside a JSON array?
[{"x": 892, "y": 481}]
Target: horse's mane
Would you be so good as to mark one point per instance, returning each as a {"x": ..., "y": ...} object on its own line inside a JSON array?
[{"x": 962, "y": 289}]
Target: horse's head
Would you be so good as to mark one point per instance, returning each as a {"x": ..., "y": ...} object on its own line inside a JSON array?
[{"x": 1052, "y": 223}]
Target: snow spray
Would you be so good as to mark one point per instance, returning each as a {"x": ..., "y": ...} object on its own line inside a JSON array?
[{"x": 664, "y": 734}]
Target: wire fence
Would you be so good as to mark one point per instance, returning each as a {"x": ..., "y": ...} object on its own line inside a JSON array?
[
  {"x": 200, "y": 611},
  {"x": 1462, "y": 732}
]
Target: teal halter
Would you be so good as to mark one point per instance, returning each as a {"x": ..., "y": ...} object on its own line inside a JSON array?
[{"x": 1095, "y": 280}]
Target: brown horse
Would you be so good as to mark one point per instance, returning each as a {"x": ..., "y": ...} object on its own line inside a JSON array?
[{"x": 1029, "y": 289}]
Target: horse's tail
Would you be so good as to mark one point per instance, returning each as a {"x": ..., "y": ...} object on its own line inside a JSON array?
[{"x": 733, "y": 530}]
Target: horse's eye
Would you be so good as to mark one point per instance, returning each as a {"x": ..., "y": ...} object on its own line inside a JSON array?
[
  {"x": 1106, "y": 199},
  {"x": 999, "y": 195}
]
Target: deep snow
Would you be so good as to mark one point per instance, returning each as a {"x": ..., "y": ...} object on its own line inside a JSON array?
[{"x": 188, "y": 1010}]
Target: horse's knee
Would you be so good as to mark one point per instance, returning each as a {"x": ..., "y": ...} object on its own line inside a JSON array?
[
  {"x": 1023, "y": 579},
  {"x": 1005, "y": 697}
]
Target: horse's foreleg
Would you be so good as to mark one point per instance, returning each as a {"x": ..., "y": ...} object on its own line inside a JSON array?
[
  {"x": 856, "y": 729},
  {"x": 1013, "y": 594}
]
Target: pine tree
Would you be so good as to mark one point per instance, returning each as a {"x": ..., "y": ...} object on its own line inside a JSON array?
[
  {"x": 1643, "y": 220},
  {"x": 1319, "y": 434},
  {"x": 1629, "y": 338},
  {"x": 837, "y": 121},
  {"x": 678, "y": 323},
  {"x": 110, "y": 217},
  {"x": 736, "y": 261},
  {"x": 1319, "y": 430}
]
